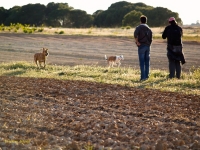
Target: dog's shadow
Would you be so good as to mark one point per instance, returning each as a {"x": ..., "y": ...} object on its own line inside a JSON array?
[
  {"x": 105, "y": 71},
  {"x": 15, "y": 73},
  {"x": 41, "y": 68}
]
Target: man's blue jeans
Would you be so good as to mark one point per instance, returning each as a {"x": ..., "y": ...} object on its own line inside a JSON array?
[{"x": 144, "y": 60}]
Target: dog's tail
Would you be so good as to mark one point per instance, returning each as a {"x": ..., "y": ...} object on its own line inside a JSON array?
[{"x": 106, "y": 57}]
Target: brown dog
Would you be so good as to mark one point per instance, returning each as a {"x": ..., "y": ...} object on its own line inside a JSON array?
[
  {"x": 41, "y": 57},
  {"x": 114, "y": 60}
]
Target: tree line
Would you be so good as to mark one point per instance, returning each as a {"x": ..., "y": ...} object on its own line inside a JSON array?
[{"x": 62, "y": 15}]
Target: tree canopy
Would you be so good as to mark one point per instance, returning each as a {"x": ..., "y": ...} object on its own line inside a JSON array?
[{"x": 62, "y": 15}]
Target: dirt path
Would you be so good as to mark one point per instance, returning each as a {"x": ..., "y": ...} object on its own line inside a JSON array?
[{"x": 88, "y": 50}]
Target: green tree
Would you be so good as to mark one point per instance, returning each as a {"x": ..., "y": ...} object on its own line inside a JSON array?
[
  {"x": 118, "y": 14},
  {"x": 13, "y": 15},
  {"x": 3, "y": 15},
  {"x": 99, "y": 18},
  {"x": 32, "y": 14},
  {"x": 80, "y": 19},
  {"x": 57, "y": 14},
  {"x": 115, "y": 14},
  {"x": 132, "y": 18},
  {"x": 159, "y": 16},
  {"x": 61, "y": 14}
]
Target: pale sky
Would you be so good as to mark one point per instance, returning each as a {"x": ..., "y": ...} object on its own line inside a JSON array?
[{"x": 189, "y": 11}]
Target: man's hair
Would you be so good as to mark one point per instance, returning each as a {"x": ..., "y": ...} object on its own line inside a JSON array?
[{"x": 143, "y": 19}]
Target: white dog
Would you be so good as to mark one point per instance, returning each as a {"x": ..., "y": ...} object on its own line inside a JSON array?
[{"x": 114, "y": 60}]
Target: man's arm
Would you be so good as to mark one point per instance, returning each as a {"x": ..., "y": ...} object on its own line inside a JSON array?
[
  {"x": 137, "y": 42},
  {"x": 164, "y": 34},
  {"x": 136, "y": 37}
]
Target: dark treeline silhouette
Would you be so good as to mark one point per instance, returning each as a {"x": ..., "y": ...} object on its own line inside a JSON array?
[{"x": 62, "y": 15}]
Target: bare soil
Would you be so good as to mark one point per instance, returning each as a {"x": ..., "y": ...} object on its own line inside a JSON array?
[{"x": 54, "y": 114}]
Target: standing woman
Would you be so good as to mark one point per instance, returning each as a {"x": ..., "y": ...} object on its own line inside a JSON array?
[{"x": 175, "y": 56}]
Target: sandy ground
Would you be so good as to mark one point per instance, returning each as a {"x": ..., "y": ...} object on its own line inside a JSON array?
[{"x": 88, "y": 50}]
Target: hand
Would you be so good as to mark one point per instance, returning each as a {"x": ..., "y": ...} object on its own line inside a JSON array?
[{"x": 137, "y": 43}]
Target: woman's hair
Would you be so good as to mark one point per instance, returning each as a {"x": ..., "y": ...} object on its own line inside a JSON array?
[{"x": 143, "y": 19}]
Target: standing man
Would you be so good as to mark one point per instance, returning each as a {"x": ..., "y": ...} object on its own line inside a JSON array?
[
  {"x": 174, "y": 34},
  {"x": 143, "y": 39}
]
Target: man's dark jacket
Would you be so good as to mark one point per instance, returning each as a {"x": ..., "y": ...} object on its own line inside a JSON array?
[{"x": 176, "y": 42}]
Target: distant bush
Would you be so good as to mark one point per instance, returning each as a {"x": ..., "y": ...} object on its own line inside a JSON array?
[
  {"x": 61, "y": 32},
  {"x": 27, "y": 30},
  {"x": 90, "y": 31},
  {"x": 128, "y": 27},
  {"x": 34, "y": 29},
  {"x": 2, "y": 28},
  {"x": 40, "y": 30}
]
